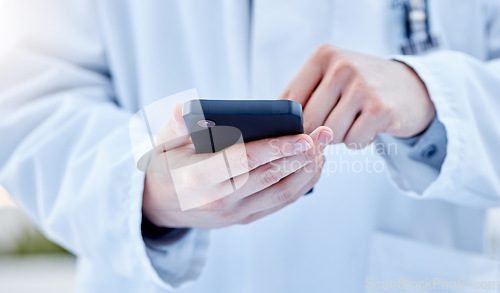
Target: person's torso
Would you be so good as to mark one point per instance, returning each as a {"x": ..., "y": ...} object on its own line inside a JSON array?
[{"x": 347, "y": 230}]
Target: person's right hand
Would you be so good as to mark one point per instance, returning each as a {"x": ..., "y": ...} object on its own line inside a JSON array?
[{"x": 269, "y": 174}]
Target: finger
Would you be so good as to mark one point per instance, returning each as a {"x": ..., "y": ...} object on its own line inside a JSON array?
[
  {"x": 322, "y": 136},
  {"x": 324, "y": 99},
  {"x": 259, "y": 215},
  {"x": 260, "y": 152},
  {"x": 241, "y": 158},
  {"x": 271, "y": 173},
  {"x": 282, "y": 192},
  {"x": 364, "y": 131},
  {"x": 304, "y": 82},
  {"x": 174, "y": 133},
  {"x": 343, "y": 116},
  {"x": 268, "y": 174}
]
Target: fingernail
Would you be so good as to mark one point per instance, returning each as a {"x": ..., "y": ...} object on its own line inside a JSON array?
[
  {"x": 301, "y": 146},
  {"x": 325, "y": 138}
]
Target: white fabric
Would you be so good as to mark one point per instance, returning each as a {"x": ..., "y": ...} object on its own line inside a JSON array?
[
  {"x": 72, "y": 73},
  {"x": 466, "y": 94}
]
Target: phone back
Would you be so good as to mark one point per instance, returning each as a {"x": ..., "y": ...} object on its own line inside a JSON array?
[{"x": 217, "y": 124}]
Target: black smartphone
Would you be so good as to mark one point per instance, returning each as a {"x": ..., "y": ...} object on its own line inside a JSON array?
[{"x": 217, "y": 124}]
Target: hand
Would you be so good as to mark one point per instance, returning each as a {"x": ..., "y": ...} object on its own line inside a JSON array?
[
  {"x": 360, "y": 96},
  {"x": 269, "y": 174}
]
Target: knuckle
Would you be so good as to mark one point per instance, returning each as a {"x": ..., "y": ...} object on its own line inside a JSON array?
[
  {"x": 284, "y": 196},
  {"x": 276, "y": 148},
  {"x": 270, "y": 176},
  {"x": 344, "y": 65},
  {"x": 247, "y": 160},
  {"x": 322, "y": 51},
  {"x": 247, "y": 220},
  {"x": 331, "y": 77},
  {"x": 283, "y": 149},
  {"x": 394, "y": 124},
  {"x": 365, "y": 90},
  {"x": 288, "y": 94},
  {"x": 376, "y": 107},
  {"x": 228, "y": 215},
  {"x": 360, "y": 85},
  {"x": 308, "y": 156},
  {"x": 309, "y": 169},
  {"x": 361, "y": 90}
]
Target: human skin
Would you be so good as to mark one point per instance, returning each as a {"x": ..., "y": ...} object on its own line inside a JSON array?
[
  {"x": 360, "y": 96},
  {"x": 270, "y": 174}
]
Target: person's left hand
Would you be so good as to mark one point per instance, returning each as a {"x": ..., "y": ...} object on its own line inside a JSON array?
[{"x": 360, "y": 96}]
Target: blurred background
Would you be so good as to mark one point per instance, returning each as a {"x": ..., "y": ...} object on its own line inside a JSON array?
[{"x": 28, "y": 261}]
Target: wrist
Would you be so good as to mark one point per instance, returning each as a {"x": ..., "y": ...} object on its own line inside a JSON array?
[{"x": 419, "y": 103}]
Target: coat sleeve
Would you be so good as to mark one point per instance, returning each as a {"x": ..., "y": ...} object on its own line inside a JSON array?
[
  {"x": 466, "y": 94},
  {"x": 65, "y": 152}
]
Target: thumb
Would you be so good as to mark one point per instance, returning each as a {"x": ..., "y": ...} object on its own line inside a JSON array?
[
  {"x": 174, "y": 134},
  {"x": 322, "y": 136}
]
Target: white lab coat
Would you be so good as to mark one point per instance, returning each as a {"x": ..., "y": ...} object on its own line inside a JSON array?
[{"x": 72, "y": 73}]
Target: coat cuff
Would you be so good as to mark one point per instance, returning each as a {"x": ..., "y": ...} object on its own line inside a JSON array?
[
  {"x": 430, "y": 146},
  {"x": 179, "y": 262},
  {"x": 427, "y": 165},
  {"x": 169, "y": 264}
]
